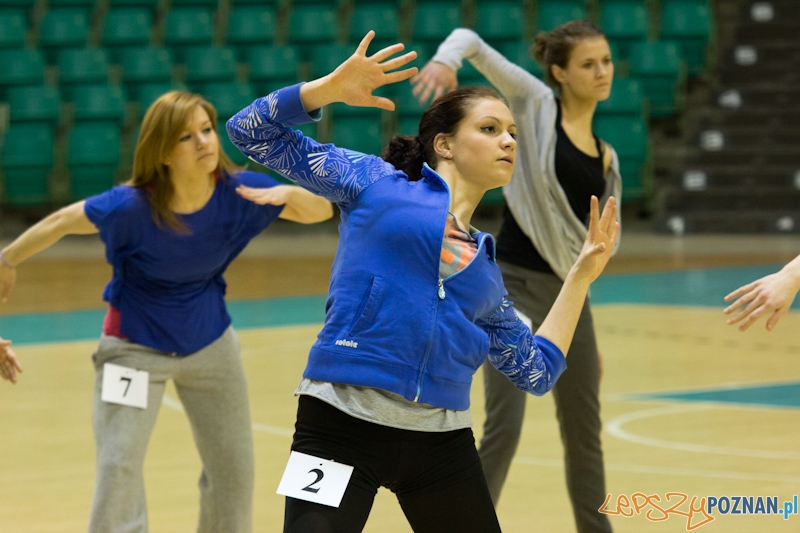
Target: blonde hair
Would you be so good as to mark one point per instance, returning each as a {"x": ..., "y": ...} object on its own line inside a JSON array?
[{"x": 161, "y": 127}]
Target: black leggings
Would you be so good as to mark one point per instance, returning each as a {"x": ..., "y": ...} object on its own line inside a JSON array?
[{"x": 437, "y": 477}]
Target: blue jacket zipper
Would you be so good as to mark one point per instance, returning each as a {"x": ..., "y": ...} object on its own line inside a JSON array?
[{"x": 440, "y": 295}]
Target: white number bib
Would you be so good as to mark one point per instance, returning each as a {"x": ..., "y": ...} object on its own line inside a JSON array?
[
  {"x": 315, "y": 480},
  {"x": 125, "y": 386}
]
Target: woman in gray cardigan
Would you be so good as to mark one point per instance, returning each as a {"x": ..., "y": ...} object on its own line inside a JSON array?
[{"x": 560, "y": 165}]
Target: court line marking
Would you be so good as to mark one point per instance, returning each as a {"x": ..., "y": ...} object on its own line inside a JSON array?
[
  {"x": 614, "y": 428},
  {"x": 681, "y": 472}
]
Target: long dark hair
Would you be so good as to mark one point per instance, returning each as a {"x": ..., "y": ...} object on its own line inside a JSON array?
[
  {"x": 408, "y": 153},
  {"x": 554, "y": 48}
]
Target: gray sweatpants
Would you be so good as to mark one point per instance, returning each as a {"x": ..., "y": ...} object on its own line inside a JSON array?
[
  {"x": 213, "y": 390},
  {"x": 576, "y": 394}
]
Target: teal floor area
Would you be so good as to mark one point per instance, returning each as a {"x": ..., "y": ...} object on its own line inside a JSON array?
[
  {"x": 775, "y": 395},
  {"x": 695, "y": 287}
]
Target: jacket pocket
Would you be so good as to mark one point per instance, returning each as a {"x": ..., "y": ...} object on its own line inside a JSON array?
[{"x": 368, "y": 308}]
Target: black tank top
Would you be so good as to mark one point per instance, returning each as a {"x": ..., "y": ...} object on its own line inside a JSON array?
[{"x": 580, "y": 175}]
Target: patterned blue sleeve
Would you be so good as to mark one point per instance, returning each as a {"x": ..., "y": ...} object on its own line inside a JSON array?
[
  {"x": 532, "y": 363},
  {"x": 262, "y": 131}
]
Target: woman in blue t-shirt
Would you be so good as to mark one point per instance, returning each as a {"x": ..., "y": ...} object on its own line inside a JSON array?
[{"x": 169, "y": 234}]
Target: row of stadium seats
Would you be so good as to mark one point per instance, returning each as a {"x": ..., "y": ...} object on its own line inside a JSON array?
[
  {"x": 96, "y": 149},
  {"x": 688, "y": 22},
  {"x": 658, "y": 64},
  {"x": 110, "y": 87}
]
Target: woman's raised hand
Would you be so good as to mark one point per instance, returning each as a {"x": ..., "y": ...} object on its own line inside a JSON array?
[
  {"x": 600, "y": 240},
  {"x": 354, "y": 80},
  {"x": 436, "y": 78}
]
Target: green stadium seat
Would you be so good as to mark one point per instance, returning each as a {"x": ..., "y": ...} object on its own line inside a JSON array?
[
  {"x": 86, "y": 5},
  {"x": 210, "y": 64},
  {"x": 690, "y": 24},
  {"x": 625, "y": 100},
  {"x": 272, "y": 67},
  {"x": 149, "y": 92},
  {"x": 19, "y": 3},
  {"x": 229, "y": 97},
  {"x": 205, "y": 3},
  {"x": 406, "y": 104},
  {"x": 500, "y": 22},
  {"x": 310, "y": 25},
  {"x": 125, "y": 28},
  {"x": 228, "y": 147},
  {"x": 381, "y": 18},
  {"x": 13, "y": 28},
  {"x": 662, "y": 73},
  {"x": 63, "y": 28},
  {"x": 19, "y": 68},
  {"x": 520, "y": 54},
  {"x": 468, "y": 75},
  {"x": 326, "y": 57},
  {"x": 93, "y": 155},
  {"x": 261, "y": 3},
  {"x": 424, "y": 52},
  {"x": 433, "y": 21},
  {"x": 629, "y": 137},
  {"x": 39, "y": 103},
  {"x": 408, "y": 125},
  {"x": 187, "y": 27},
  {"x": 624, "y": 23},
  {"x": 554, "y": 13},
  {"x": 26, "y": 161},
  {"x": 151, "y": 5},
  {"x": 100, "y": 103},
  {"x": 362, "y": 134},
  {"x": 145, "y": 65},
  {"x": 250, "y": 26},
  {"x": 80, "y": 67}
]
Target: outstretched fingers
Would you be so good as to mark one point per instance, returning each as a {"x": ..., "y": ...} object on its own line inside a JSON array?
[
  {"x": 399, "y": 61},
  {"x": 364, "y": 44},
  {"x": 400, "y": 75},
  {"x": 387, "y": 52},
  {"x": 738, "y": 292},
  {"x": 609, "y": 217}
]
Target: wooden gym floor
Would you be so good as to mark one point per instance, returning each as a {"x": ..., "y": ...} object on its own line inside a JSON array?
[{"x": 689, "y": 404}]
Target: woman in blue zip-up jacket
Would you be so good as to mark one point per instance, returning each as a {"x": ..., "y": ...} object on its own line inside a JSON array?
[{"x": 416, "y": 301}]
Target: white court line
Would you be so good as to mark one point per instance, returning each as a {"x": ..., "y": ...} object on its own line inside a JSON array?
[
  {"x": 172, "y": 403},
  {"x": 681, "y": 472},
  {"x": 614, "y": 428}
]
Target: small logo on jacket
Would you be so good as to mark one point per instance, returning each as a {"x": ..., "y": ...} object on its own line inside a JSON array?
[{"x": 349, "y": 344}]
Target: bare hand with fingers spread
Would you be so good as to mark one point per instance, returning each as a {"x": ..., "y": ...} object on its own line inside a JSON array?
[
  {"x": 354, "y": 80},
  {"x": 771, "y": 295},
  {"x": 600, "y": 240},
  {"x": 9, "y": 362},
  {"x": 436, "y": 78}
]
